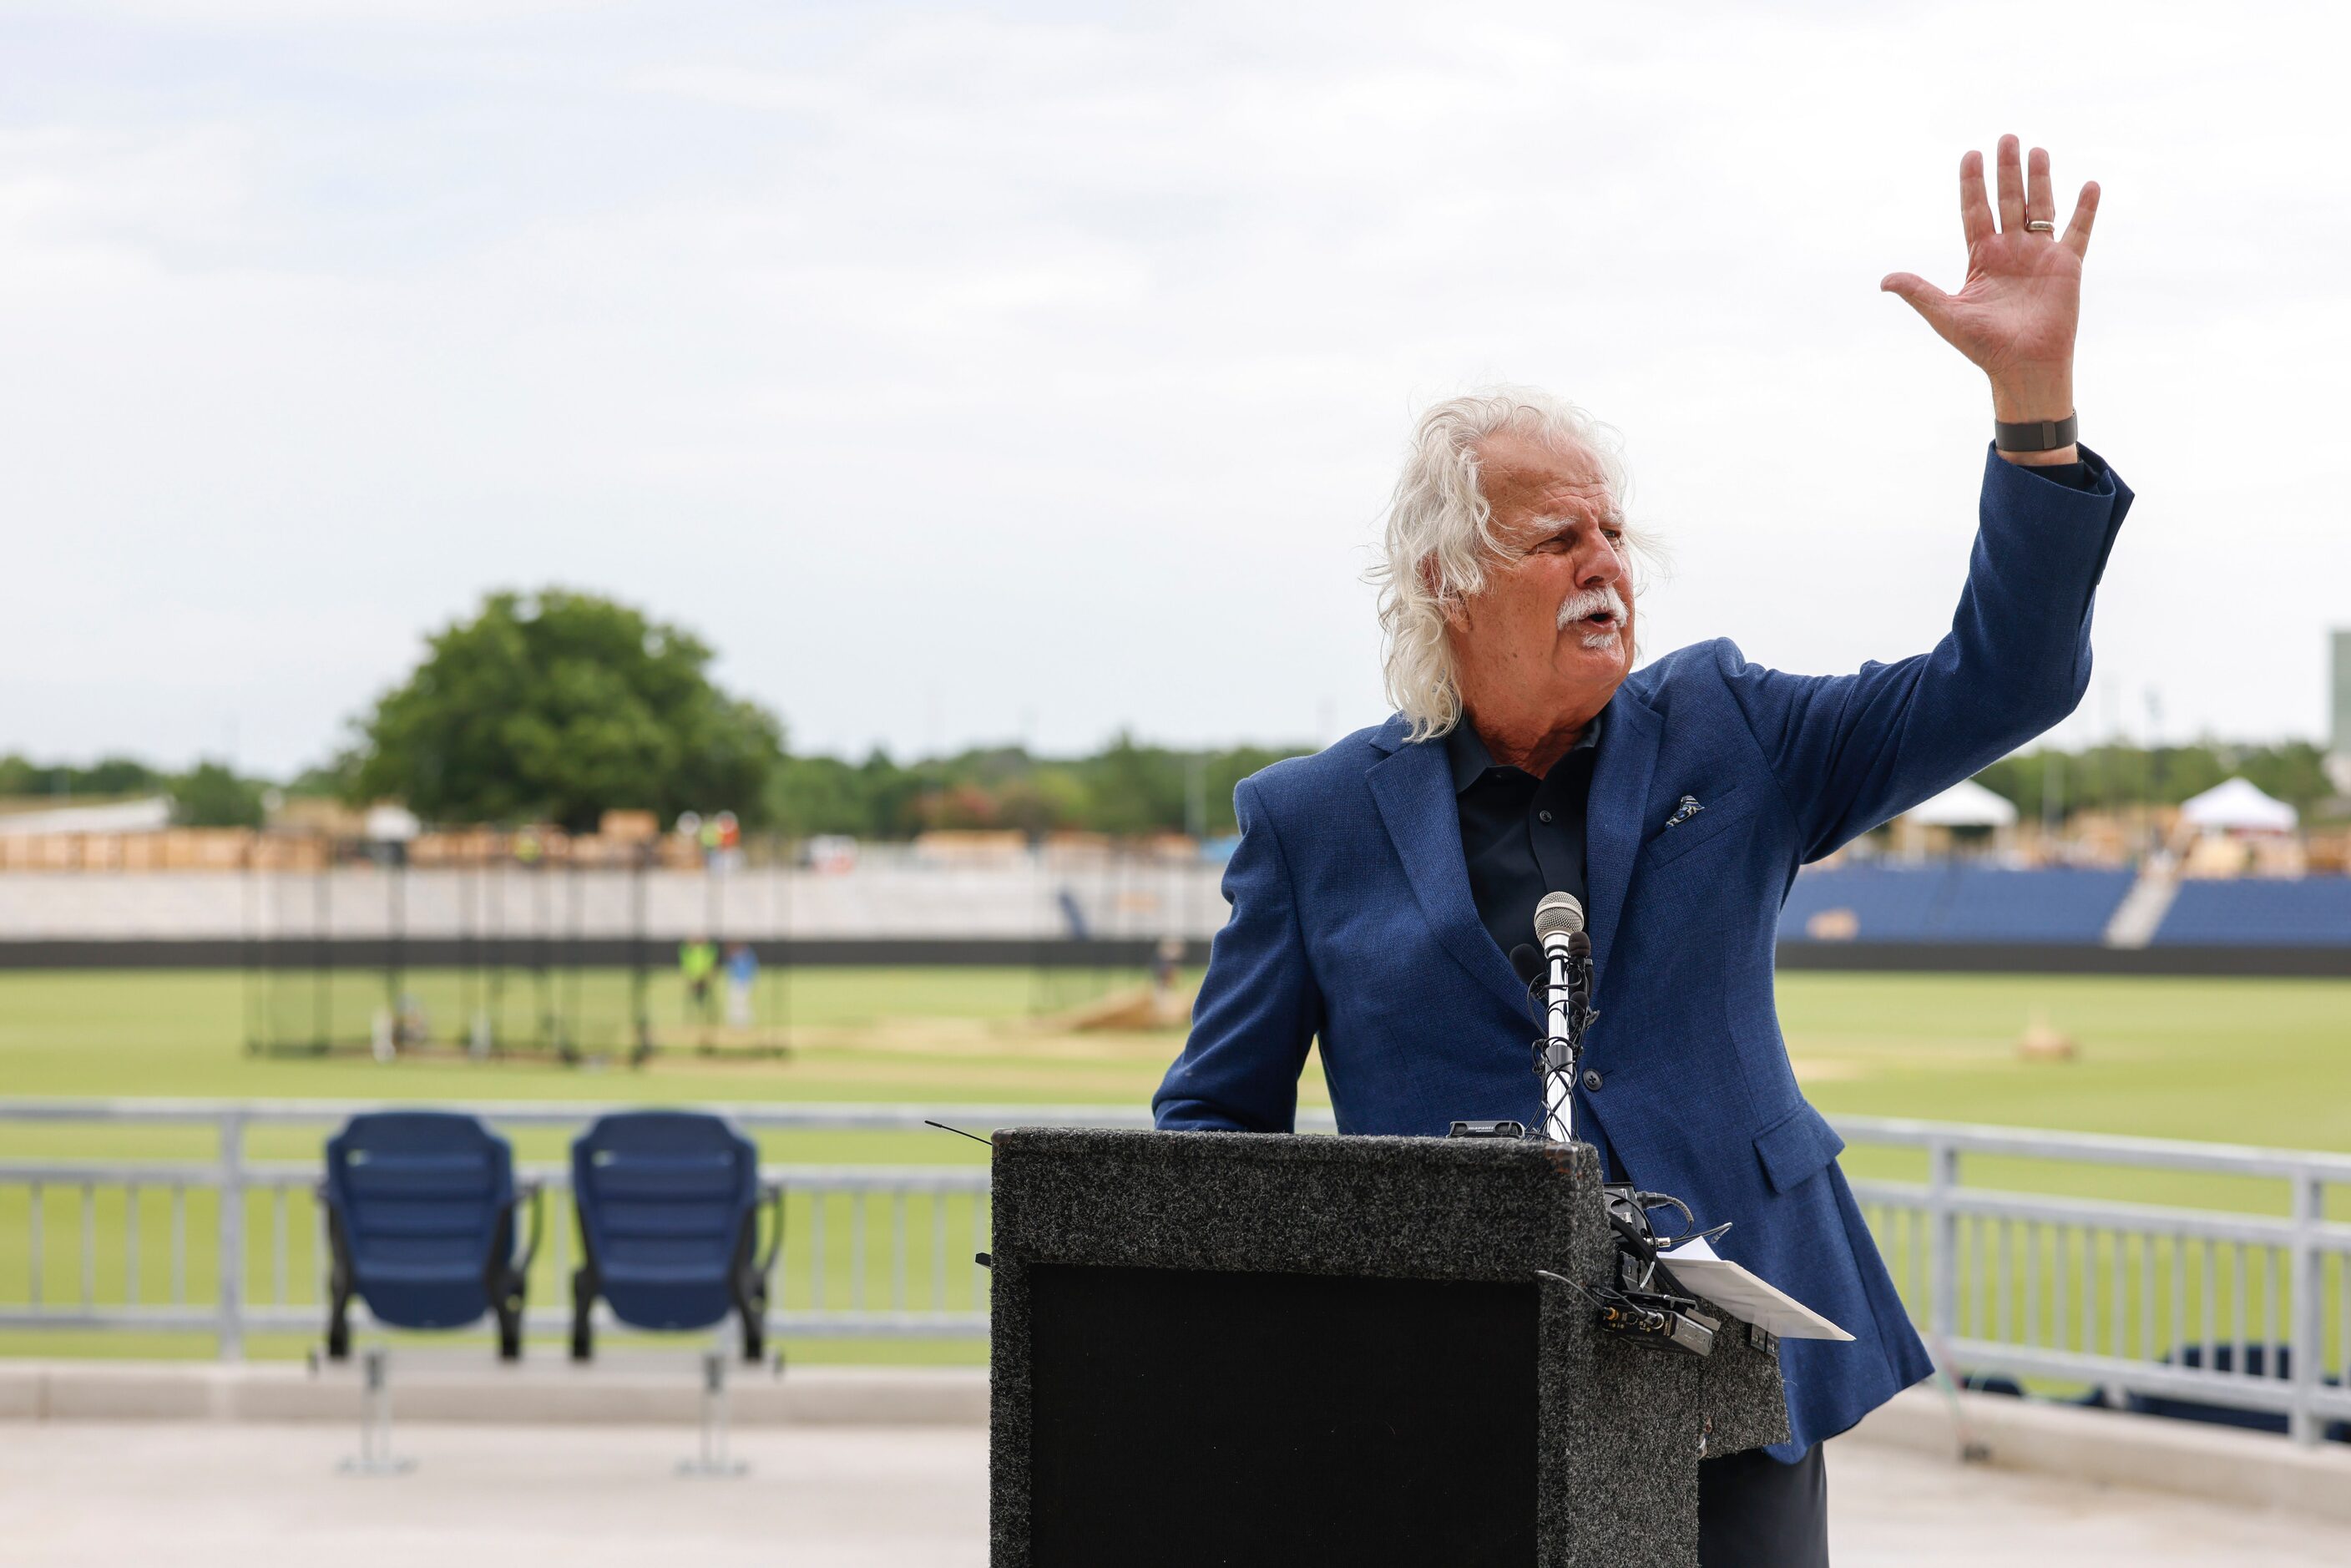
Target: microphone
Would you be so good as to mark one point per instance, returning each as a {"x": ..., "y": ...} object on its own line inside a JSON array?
[
  {"x": 1558, "y": 917},
  {"x": 1527, "y": 962},
  {"x": 1567, "y": 956},
  {"x": 1559, "y": 926}
]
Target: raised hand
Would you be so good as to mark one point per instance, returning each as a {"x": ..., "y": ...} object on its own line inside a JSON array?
[{"x": 2015, "y": 315}]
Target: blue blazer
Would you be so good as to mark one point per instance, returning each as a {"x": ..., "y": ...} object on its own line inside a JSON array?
[{"x": 1353, "y": 925}]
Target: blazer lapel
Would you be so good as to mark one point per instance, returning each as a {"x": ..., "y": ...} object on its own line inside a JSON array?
[
  {"x": 1613, "y": 820},
  {"x": 1413, "y": 790}
]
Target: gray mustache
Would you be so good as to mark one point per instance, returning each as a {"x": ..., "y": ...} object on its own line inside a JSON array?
[{"x": 1589, "y": 601}]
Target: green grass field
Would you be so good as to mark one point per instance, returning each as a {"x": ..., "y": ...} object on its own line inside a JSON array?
[
  {"x": 2251, "y": 1061},
  {"x": 2257, "y": 1062}
]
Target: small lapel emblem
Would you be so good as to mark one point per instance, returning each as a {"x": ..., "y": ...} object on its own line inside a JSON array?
[{"x": 1682, "y": 814}]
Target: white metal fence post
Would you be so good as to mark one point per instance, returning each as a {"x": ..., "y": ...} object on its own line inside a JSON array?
[
  {"x": 1943, "y": 1274},
  {"x": 230, "y": 1265},
  {"x": 2307, "y": 1331}
]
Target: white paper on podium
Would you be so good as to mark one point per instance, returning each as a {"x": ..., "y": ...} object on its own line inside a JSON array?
[{"x": 1737, "y": 1289}]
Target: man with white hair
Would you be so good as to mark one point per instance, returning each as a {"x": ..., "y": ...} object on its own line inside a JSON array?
[{"x": 1379, "y": 886}]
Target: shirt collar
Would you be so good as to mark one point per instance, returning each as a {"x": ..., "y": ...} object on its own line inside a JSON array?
[{"x": 1464, "y": 748}]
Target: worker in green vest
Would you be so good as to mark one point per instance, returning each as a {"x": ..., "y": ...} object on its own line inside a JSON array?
[{"x": 697, "y": 961}]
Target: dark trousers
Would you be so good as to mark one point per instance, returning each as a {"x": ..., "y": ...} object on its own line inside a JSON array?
[{"x": 1755, "y": 1513}]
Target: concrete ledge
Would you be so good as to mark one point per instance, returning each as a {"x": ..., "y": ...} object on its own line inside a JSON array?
[
  {"x": 2187, "y": 1458},
  {"x": 430, "y": 1387},
  {"x": 2220, "y": 1464}
]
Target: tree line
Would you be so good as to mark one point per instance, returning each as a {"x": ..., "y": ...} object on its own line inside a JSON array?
[
  {"x": 555, "y": 707},
  {"x": 209, "y": 795},
  {"x": 1126, "y": 789},
  {"x": 2102, "y": 778}
]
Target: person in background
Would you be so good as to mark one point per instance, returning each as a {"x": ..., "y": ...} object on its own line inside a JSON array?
[
  {"x": 697, "y": 959},
  {"x": 742, "y": 976},
  {"x": 1166, "y": 962}
]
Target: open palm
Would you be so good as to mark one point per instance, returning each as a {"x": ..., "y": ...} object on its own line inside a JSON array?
[{"x": 2014, "y": 315}]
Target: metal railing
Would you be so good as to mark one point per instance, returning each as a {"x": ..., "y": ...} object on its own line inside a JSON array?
[
  {"x": 869, "y": 1250},
  {"x": 2219, "y": 1306},
  {"x": 2223, "y": 1305}
]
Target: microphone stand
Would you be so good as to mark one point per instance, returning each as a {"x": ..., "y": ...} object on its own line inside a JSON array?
[
  {"x": 1568, "y": 1013},
  {"x": 1644, "y": 1302}
]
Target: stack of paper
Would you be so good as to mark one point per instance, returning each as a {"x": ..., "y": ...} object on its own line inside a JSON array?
[{"x": 1746, "y": 1295}]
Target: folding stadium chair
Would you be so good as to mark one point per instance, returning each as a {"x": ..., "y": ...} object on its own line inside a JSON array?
[
  {"x": 421, "y": 1221},
  {"x": 420, "y": 1216},
  {"x": 669, "y": 1226}
]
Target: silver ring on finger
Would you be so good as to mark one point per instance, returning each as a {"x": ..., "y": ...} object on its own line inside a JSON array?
[{"x": 2040, "y": 226}]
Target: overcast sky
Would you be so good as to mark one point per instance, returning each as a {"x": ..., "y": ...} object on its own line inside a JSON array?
[{"x": 973, "y": 374}]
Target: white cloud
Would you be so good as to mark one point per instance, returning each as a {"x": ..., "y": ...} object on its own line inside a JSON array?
[{"x": 963, "y": 376}]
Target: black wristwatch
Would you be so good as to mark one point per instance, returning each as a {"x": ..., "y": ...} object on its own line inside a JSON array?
[{"x": 2037, "y": 434}]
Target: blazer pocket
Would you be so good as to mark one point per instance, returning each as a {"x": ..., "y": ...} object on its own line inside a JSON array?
[
  {"x": 1672, "y": 843},
  {"x": 1797, "y": 1147}
]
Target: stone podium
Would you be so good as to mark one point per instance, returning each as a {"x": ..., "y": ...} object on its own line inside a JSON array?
[{"x": 1236, "y": 1348}]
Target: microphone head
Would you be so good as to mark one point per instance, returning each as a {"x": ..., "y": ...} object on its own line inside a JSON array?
[
  {"x": 1559, "y": 914},
  {"x": 1527, "y": 962}
]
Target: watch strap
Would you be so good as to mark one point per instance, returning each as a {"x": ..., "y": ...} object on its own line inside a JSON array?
[{"x": 2036, "y": 434}]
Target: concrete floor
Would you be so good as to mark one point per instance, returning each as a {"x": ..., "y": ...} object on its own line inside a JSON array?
[
  {"x": 192, "y": 1494},
  {"x": 1890, "y": 1507}
]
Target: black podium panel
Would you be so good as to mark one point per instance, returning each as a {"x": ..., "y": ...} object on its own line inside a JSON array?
[
  {"x": 1332, "y": 1418},
  {"x": 1241, "y": 1348}
]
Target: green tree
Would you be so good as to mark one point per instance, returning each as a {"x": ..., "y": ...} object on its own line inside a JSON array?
[
  {"x": 1050, "y": 798},
  {"x": 1135, "y": 788},
  {"x": 561, "y": 705},
  {"x": 1125, "y": 789},
  {"x": 818, "y": 795},
  {"x": 109, "y": 776},
  {"x": 210, "y": 796}
]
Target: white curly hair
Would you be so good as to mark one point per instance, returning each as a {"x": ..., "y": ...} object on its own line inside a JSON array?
[{"x": 1440, "y": 539}]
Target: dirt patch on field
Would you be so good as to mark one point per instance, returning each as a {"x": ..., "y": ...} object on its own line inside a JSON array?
[{"x": 974, "y": 1038}]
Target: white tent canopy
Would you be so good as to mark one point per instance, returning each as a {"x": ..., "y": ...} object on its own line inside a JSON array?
[
  {"x": 1965, "y": 804},
  {"x": 2237, "y": 806},
  {"x": 391, "y": 824}
]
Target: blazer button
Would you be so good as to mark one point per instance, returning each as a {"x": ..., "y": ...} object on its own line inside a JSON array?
[{"x": 1591, "y": 1080}]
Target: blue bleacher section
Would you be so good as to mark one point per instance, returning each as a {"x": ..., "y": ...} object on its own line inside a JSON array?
[
  {"x": 1951, "y": 902},
  {"x": 2259, "y": 912},
  {"x": 2061, "y": 904},
  {"x": 1888, "y": 903}
]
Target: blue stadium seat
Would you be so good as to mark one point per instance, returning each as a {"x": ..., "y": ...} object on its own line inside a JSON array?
[
  {"x": 2259, "y": 912},
  {"x": 1952, "y": 901},
  {"x": 1886, "y": 904},
  {"x": 2055, "y": 904},
  {"x": 669, "y": 1222},
  {"x": 420, "y": 1220}
]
